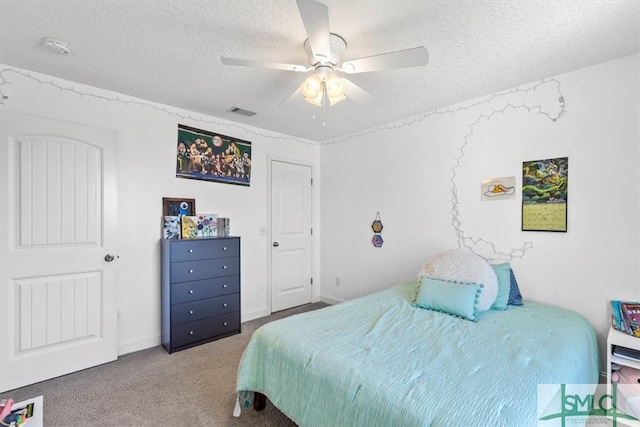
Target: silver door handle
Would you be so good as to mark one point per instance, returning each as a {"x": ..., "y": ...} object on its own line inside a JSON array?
[
  {"x": 276, "y": 244},
  {"x": 109, "y": 257}
]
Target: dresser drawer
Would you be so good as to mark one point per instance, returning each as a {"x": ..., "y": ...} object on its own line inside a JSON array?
[
  {"x": 207, "y": 288},
  {"x": 205, "y": 268},
  {"x": 205, "y": 329},
  {"x": 196, "y": 310},
  {"x": 195, "y": 249}
]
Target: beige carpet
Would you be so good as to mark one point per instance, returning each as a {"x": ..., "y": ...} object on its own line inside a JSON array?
[{"x": 194, "y": 387}]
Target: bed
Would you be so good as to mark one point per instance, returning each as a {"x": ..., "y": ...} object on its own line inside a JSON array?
[{"x": 380, "y": 360}]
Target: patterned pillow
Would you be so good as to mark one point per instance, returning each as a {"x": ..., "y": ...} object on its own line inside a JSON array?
[
  {"x": 462, "y": 265},
  {"x": 514, "y": 291},
  {"x": 457, "y": 299}
]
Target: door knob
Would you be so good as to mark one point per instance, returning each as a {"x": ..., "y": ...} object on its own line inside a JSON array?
[
  {"x": 109, "y": 257},
  {"x": 276, "y": 244}
]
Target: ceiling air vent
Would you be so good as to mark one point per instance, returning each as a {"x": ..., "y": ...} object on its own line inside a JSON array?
[{"x": 241, "y": 111}]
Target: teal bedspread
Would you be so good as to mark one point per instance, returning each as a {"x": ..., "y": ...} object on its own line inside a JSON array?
[{"x": 379, "y": 361}]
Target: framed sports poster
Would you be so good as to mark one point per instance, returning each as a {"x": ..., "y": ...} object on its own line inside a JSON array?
[
  {"x": 545, "y": 194},
  {"x": 210, "y": 156}
]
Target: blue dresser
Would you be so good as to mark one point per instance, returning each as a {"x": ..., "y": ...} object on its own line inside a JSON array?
[{"x": 200, "y": 291}]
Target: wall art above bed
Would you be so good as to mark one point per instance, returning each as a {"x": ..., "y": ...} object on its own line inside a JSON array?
[
  {"x": 213, "y": 157},
  {"x": 544, "y": 194}
]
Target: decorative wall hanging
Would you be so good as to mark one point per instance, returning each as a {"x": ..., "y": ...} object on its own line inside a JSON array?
[
  {"x": 544, "y": 194},
  {"x": 377, "y": 226},
  {"x": 498, "y": 188},
  {"x": 213, "y": 157}
]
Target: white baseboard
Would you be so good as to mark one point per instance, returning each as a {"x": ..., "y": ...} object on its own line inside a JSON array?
[
  {"x": 254, "y": 314},
  {"x": 139, "y": 344}
]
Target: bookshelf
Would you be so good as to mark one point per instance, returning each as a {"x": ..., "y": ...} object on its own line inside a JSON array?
[{"x": 617, "y": 339}]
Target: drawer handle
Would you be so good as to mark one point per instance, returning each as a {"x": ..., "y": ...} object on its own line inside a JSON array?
[
  {"x": 224, "y": 248},
  {"x": 190, "y": 271},
  {"x": 224, "y": 305},
  {"x": 190, "y": 311},
  {"x": 224, "y": 324},
  {"x": 224, "y": 286},
  {"x": 190, "y": 332},
  {"x": 190, "y": 291},
  {"x": 225, "y": 267},
  {"x": 190, "y": 251}
]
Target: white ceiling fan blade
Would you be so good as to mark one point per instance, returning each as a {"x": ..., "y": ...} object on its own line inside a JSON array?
[
  {"x": 264, "y": 64},
  {"x": 414, "y": 57},
  {"x": 292, "y": 99},
  {"x": 315, "y": 17},
  {"x": 357, "y": 94}
]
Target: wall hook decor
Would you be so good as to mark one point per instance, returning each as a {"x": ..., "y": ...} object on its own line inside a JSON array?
[{"x": 377, "y": 227}]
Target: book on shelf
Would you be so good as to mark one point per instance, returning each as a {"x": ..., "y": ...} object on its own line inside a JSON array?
[
  {"x": 627, "y": 353},
  {"x": 626, "y": 316},
  {"x": 631, "y": 312}
]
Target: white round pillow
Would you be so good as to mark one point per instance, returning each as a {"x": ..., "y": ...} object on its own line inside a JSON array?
[{"x": 462, "y": 265}]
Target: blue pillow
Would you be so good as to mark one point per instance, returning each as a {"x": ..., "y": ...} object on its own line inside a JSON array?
[
  {"x": 514, "y": 291},
  {"x": 504, "y": 285},
  {"x": 456, "y": 298}
]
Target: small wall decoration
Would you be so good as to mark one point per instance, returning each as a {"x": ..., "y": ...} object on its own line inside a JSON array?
[
  {"x": 544, "y": 194},
  {"x": 178, "y": 206},
  {"x": 213, "y": 157},
  {"x": 498, "y": 188},
  {"x": 377, "y": 227}
]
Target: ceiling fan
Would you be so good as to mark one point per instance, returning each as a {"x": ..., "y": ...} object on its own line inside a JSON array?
[{"x": 324, "y": 50}]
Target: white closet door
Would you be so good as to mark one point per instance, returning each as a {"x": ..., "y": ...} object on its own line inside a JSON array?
[
  {"x": 58, "y": 223},
  {"x": 291, "y": 254}
]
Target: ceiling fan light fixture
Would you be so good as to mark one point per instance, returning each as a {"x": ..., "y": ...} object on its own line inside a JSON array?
[
  {"x": 334, "y": 86},
  {"x": 311, "y": 87},
  {"x": 316, "y": 87},
  {"x": 317, "y": 101}
]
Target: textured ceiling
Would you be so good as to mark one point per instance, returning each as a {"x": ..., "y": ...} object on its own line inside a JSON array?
[{"x": 168, "y": 51}]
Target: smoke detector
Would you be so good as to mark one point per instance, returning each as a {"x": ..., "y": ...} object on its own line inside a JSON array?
[{"x": 56, "y": 46}]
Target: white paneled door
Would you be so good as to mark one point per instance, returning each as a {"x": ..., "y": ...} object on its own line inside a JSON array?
[
  {"x": 57, "y": 248},
  {"x": 291, "y": 233}
]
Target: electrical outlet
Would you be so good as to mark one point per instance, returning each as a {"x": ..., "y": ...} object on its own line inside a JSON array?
[{"x": 337, "y": 281}]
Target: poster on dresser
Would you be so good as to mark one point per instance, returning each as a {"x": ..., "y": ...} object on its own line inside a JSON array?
[
  {"x": 544, "y": 194},
  {"x": 214, "y": 157}
]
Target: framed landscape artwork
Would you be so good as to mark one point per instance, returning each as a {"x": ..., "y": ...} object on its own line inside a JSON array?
[{"x": 210, "y": 156}]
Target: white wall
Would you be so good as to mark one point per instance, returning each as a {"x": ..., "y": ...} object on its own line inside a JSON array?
[
  {"x": 407, "y": 174},
  {"x": 147, "y": 138}
]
